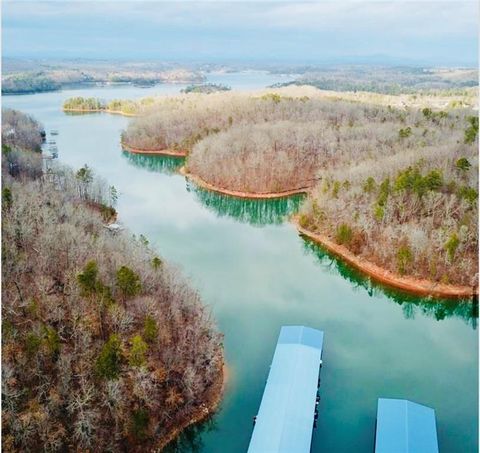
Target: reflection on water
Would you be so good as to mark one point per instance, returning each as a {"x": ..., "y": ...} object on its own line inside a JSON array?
[
  {"x": 411, "y": 305},
  {"x": 190, "y": 440},
  {"x": 86, "y": 112},
  {"x": 254, "y": 212},
  {"x": 161, "y": 164}
]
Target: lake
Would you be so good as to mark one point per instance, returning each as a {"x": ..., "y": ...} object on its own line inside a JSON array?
[{"x": 257, "y": 274}]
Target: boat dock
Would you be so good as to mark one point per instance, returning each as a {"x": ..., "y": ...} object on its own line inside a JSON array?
[
  {"x": 405, "y": 427},
  {"x": 288, "y": 410}
]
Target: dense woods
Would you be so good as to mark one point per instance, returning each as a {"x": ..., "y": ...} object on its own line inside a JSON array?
[
  {"x": 124, "y": 106},
  {"x": 395, "y": 184},
  {"x": 105, "y": 347},
  {"x": 413, "y": 207}
]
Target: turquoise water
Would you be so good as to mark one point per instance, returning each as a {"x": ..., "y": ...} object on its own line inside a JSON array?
[{"x": 256, "y": 273}]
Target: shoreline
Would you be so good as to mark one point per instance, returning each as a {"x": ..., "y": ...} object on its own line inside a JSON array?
[
  {"x": 239, "y": 194},
  {"x": 213, "y": 395},
  {"x": 113, "y": 112},
  {"x": 415, "y": 286},
  {"x": 155, "y": 152},
  {"x": 202, "y": 412}
]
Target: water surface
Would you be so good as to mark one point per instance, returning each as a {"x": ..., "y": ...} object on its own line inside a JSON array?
[{"x": 257, "y": 273}]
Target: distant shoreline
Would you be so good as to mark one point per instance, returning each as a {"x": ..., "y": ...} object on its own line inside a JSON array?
[
  {"x": 415, "y": 286},
  {"x": 113, "y": 112}
]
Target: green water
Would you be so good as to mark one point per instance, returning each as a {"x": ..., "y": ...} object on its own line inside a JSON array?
[
  {"x": 164, "y": 164},
  {"x": 254, "y": 212},
  {"x": 256, "y": 273}
]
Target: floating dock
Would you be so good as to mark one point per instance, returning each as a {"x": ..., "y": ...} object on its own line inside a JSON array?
[
  {"x": 287, "y": 412},
  {"x": 405, "y": 427}
]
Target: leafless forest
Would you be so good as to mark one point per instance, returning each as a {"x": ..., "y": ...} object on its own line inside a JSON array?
[
  {"x": 393, "y": 182},
  {"x": 105, "y": 347}
]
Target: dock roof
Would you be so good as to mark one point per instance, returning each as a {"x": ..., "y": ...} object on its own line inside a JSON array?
[
  {"x": 405, "y": 427},
  {"x": 285, "y": 419}
]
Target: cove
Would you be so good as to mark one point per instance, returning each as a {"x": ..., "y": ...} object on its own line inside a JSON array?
[{"x": 256, "y": 273}]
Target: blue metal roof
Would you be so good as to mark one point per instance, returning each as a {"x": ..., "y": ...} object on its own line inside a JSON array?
[
  {"x": 405, "y": 427},
  {"x": 285, "y": 419}
]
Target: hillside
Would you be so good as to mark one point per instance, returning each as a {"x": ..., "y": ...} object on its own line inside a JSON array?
[
  {"x": 105, "y": 347},
  {"x": 394, "y": 183}
]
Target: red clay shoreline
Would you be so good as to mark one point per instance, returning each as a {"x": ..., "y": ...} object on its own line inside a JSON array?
[
  {"x": 157, "y": 152},
  {"x": 415, "y": 286},
  {"x": 418, "y": 287},
  {"x": 239, "y": 194}
]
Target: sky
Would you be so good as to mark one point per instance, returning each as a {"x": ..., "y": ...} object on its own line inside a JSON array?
[{"x": 440, "y": 33}]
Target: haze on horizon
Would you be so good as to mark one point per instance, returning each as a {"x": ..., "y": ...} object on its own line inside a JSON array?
[{"x": 439, "y": 33}]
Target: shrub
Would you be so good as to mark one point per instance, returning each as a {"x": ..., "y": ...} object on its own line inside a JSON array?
[
  {"x": 336, "y": 189},
  {"x": 276, "y": 98},
  {"x": 412, "y": 180},
  {"x": 87, "y": 280},
  {"x": 7, "y": 198},
  {"x": 344, "y": 234},
  {"x": 451, "y": 246},
  {"x": 137, "y": 351},
  {"x": 404, "y": 133},
  {"x": 427, "y": 113},
  {"x": 404, "y": 258},
  {"x": 32, "y": 344},
  {"x": 156, "y": 262},
  {"x": 107, "y": 212},
  {"x": 463, "y": 164},
  {"x": 128, "y": 282},
  {"x": 369, "y": 185},
  {"x": 85, "y": 174},
  {"x": 109, "y": 361},
  {"x": 469, "y": 194},
  {"x": 383, "y": 193},
  {"x": 139, "y": 423},
  {"x": 303, "y": 220},
  {"x": 52, "y": 340},
  {"x": 472, "y": 131},
  {"x": 433, "y": 180},
  {"x": 379, "y": 212},
  {"x": 150, "y": 329}
]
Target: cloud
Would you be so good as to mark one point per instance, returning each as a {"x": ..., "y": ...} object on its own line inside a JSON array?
[{"x": 323, "y": 27}]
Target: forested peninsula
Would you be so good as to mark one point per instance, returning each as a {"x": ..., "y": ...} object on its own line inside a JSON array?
[
  {"x": 105, "y": 346},
  {"x": 392, "y": 179}
]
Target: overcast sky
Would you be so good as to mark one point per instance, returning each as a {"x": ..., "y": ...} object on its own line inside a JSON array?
[{"x": 401, "y": 31}]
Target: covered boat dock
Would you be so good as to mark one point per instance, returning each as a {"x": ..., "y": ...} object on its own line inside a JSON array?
[
  {"x": 287, "y": 412},
  {"x": 405, "y": 427}
]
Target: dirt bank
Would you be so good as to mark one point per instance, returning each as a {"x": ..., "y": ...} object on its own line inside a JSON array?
[
  {"x": 239, "y": 194},
  {"x": 157, "y": 152},
  {"x": 419, "y": 287}
]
